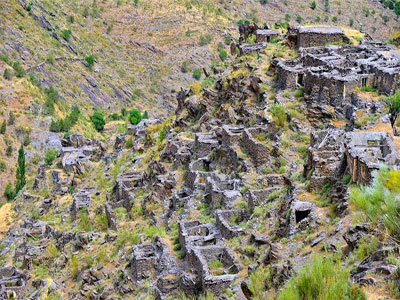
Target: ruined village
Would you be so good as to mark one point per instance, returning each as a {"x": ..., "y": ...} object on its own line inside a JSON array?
[{"x": 248, "y": 189}]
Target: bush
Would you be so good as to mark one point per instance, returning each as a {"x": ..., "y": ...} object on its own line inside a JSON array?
[
  {"x": 197, "y": 74},
  {"x": 90, "y": 61},
  {"x": 98, "y": 120},
  {"x": 67, "y": 123},
  {"x": 313, "y": 5},
  {"x": 3, "y": 127},
  {"x": 299, "y": 92},
  {"x": 145, "y": 115},
  {"x": 50, "y": 156},
  {"x": 51, "y": 96},
  {"x": 278, "y": 114},
  {"x": 322, "y": 279},
  {"x": 9, "y": 150},
  {"x": 223, "y": 55},
  {"x": 7, "y": 74},
  {"x": 18, "y": 69},
  {"x": 379, "y": 202},
  {"x": 205, "y": 39},
  {"x": 135, "y": 116},
  {"x": 66, "y": 34},
  {"x": 9, "y": 192}
]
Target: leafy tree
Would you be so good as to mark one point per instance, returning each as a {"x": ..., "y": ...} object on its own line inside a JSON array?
[
  {"x": 20, "y": 175},
  {"x": 393, "y": 105},
  {"x": 3, "y": 127},
  {"x": 313, "y": 5},
  {"x": 135, "y": 116},
  {"x": 9, "y": 192},
  {"x": 98, "y": 120},
  {"x": 90, "y": 61}
]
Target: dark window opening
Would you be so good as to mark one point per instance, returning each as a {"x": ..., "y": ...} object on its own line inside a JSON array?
[
  {"x": 364, "y": 81},
  {"x": 301, "y": 215},
  {"x": 300, "y": 79}
]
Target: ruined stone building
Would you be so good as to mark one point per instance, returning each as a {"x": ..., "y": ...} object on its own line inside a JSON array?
[
  {"x": 313, "y": 36},
  {"x": 330, "y": 75}
]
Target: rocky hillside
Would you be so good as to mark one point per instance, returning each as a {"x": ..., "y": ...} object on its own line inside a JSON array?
[
  {"x": 148, "y": 152},
  {"x": 144, "y": 51}
]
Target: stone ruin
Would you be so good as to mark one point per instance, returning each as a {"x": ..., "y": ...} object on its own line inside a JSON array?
[
  {"x": 331, "y": 75},
  {"x": 77, "y": 151},
  {"x": 228, "y": 222},
  {"x": 334, "y": 152},
  {"x": 313, "y": 36},
  {"x": 208, "y": 279},
  {"x": 144, "y": 261},
  {"x": 81, "y": 200},
  {"x": 194, "y": 234},
  {"x": 323, "y": 157},
  {"x": 302, "y": 216},
  {"x": 367, "y": 151},
  {"x": 261, "y": 36},
  {"x": 126, "y": 184}
]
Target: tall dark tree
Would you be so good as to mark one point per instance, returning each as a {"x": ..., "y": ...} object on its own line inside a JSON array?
[
  {"x": 393, "y": 104},
  {"x": 20, "y": 176},
  {"x": 3, "y": 127}
]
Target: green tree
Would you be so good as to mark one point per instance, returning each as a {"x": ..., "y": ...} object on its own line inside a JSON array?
[
  {"x": 11, "y": 118},
  {"x": 20, "y": 175},
  {"x": 9, "y": 150},
  {"x": 313, "y": 5},
  {"x": 3, "y": 127},
  {"x": 135, "y": 116},
  {"x": 90, "y": 61},
  {"x": 393, "y": 105},
  {"x": 98, "y": 120},
  {"x": 145, "y": 115}
]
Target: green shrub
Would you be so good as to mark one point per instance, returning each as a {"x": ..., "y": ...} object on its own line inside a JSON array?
[
  {"x": 278, "y": 114},
  {"x": 90, "y": 61},
  {"x": 145, "y": 115},
  {"x": 322, "y": 279},
  {"x": 51, "y": 97},
  {"x": 84, "y": 222},
  {"x": 9, "y": 150},
  {"x": 299, "y": 92},
  {"x": 205, "y": 39},
  {"x": 135, "y": 116},
  {"x": 129, "y": 143},
  {"x": 7, "y": 74},
  {"x": 223, "y": 54},
  {"x": 18, "y": 69},
  {"x": 3, "y": 127},
  {"x": 313, "y": 5},
  {"x": 66, "y": 34},
  {"x": 50, "y": 156},
  {"x": 9, "y": 192},
  {"x": 98, "y": 120},
  {"x": 379, "y": 202},
  {"x": 257, "y": 282},
  {"x": 126, "y": 237},
  {"x": 197, "y": 74}
]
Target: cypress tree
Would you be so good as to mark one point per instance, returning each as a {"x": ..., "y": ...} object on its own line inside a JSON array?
[{"x": 20, "y": 176}]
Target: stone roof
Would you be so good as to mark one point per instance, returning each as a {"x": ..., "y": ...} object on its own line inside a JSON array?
[
  {"x": 267, "y": 32},
  {"x": 321, "y": 30}
]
